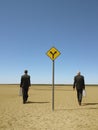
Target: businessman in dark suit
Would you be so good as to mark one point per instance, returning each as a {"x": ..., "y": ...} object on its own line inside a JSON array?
[
  {"x": 79, "y": 83},
  {"x": 25, "y": 84}
]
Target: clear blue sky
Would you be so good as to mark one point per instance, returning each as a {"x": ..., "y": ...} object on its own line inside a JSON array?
[{"x": 29, "y": 28}]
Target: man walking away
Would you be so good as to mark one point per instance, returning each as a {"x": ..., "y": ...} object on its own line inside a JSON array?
[
  {"x": 79, "y": 83},
  {"x": 25, "y": 84}
]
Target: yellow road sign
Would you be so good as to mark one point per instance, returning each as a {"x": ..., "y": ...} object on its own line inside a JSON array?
[{"x": 53, "y": 53}]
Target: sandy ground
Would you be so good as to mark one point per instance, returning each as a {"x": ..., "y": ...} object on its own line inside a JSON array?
[{"x": 37, "y": 114}]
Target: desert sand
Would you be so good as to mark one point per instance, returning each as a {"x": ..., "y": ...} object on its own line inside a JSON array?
[{"x": 37, "y": 113}]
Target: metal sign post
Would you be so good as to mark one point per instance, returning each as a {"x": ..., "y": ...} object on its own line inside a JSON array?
[
  {"x": 53, "y": 85},
  {"x": 53, "y": 53}
]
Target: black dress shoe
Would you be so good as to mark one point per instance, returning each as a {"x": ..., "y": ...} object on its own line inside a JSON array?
[
  {"x": 80, "y": 103},
  {"x": 24, "y": 102}
]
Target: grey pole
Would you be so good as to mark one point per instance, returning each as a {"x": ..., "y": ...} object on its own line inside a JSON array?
[{"x": 53, "y": 86}]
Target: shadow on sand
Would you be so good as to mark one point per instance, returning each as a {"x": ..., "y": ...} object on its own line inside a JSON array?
[
  {"x": 91, "y": 106},
  {"x": 30, "y": 102},
  {"x": 91, "y": 103},
  {"x": 56, "y": 89}
]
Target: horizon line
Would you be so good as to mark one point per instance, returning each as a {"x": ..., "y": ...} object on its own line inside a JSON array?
[{"x": 47, "y": 84}]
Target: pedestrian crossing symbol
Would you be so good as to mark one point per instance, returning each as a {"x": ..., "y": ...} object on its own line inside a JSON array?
[{"x": 53, "y": 53}]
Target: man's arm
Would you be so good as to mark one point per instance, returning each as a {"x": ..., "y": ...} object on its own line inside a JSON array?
[
  {"x": 74, "y": 83},
  {"x": 83, "y": 83},
  {"x": 21, "y": 82},
  {"x": 29, "y": 82}
]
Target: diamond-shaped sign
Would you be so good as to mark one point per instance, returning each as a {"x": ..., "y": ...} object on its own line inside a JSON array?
[{"x": 53, "y": 53}]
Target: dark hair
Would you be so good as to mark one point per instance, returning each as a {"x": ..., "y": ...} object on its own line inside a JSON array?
[{"x": 25, "y": 71}]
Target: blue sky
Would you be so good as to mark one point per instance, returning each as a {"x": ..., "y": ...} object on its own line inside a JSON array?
[{"x": 29, "y": 28}]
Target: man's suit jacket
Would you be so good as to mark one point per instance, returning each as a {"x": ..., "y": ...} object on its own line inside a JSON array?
[
  {"x": 25, "y": 81},
  {"x": 79, "y": 82}
]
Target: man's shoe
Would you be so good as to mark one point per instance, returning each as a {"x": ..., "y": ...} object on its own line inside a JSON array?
[
  {"x": 80, "y": 103},
  {"x": 24, "y": 102}
]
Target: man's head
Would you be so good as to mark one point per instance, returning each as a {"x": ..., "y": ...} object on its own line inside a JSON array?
[
  {"x": 26, "y": 71},
  {"x": 79, "y": 73}
]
